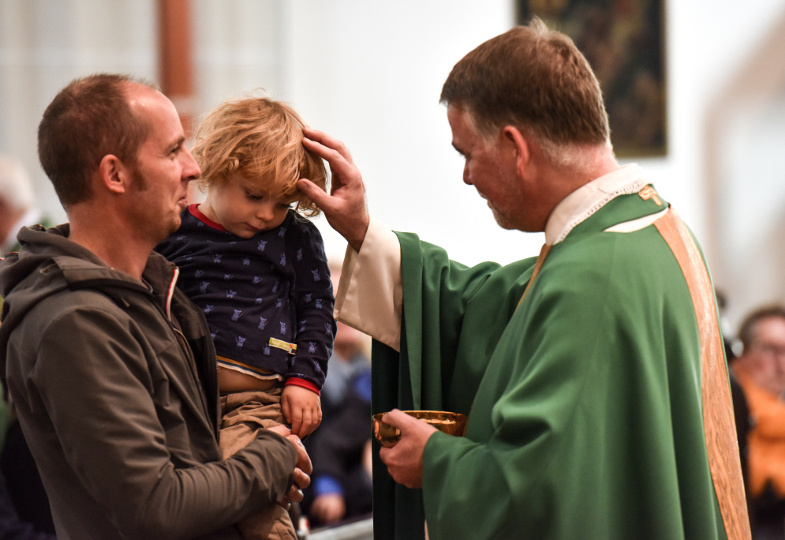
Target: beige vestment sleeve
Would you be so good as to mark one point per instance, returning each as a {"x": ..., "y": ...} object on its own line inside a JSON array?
[{"x": 369, "y": 296}]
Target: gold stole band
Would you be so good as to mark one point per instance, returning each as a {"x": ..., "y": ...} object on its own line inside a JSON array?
[
  {"x": 537, "y": 265},
  {"x": 719, "y": 424}
]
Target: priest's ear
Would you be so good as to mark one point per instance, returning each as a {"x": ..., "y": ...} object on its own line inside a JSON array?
[{"x": 516, "y": 142}]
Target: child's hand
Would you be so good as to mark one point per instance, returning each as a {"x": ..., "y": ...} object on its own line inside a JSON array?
[{"x": 302, "y": 409}]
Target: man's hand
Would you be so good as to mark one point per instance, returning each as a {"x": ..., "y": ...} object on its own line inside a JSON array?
[
  {"x": 302, "y": 409},
  {"x": 302, "y": 470},
  {"x": 404, "y": 460},
  {"x": 345, "y": 208}
]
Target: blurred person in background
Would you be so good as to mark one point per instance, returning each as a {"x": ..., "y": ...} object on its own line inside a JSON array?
[
  {"x": 760, "y": 370},
  {"x": 17, "y": 202},
  {"x": 341, "y": 448},
  {"x": 24, "y": 508}
]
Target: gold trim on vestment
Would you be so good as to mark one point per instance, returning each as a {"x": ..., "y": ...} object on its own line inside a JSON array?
[
  {"x": 537, "y": 265},
  {"x": 718, "y": 420}
]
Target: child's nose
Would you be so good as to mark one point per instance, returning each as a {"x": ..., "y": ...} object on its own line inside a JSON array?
[{"x": 264, "y": 211}]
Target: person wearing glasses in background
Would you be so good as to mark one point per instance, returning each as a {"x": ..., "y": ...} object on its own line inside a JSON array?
[{"x": 760, "y": 370}]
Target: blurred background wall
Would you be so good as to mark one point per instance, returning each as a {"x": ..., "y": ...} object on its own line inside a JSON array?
[{"x": 370, "y": 73}]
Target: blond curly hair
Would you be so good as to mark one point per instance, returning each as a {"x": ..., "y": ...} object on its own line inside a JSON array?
[{"x": 261, "y": 139}]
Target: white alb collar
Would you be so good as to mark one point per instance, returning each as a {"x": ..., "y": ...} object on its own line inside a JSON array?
[{"x": 586, "y": 200}]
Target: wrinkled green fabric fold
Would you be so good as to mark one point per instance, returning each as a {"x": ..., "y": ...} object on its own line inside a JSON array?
[{"x": 432, "y": 330}]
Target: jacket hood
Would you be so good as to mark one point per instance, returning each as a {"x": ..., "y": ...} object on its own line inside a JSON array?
[{"x": 48, "y": 262}]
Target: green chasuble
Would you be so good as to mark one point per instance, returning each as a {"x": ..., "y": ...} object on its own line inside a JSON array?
[{"x": 584, "y": 403}]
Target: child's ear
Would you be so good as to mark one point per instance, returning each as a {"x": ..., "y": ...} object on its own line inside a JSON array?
[
  {"x": 114, "y": 175},
  {"x": 516, "y": 143}
]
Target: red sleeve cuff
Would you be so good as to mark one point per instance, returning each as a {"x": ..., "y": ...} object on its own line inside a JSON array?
[{"x": 302, "y": 382}]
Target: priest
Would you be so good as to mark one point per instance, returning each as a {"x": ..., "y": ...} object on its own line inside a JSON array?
[{"x": 593, "y": 376}]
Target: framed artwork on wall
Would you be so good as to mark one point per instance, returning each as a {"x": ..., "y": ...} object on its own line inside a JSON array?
[{"x": 624, "y": 42}]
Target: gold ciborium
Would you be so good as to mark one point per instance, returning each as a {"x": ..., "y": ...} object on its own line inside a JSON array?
[{"x": 448, "y": 422}]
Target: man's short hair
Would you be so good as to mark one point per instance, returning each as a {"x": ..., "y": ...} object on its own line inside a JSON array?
[
  {"x": 87, "y": 120},
  {"x": 534, "y": 79}
]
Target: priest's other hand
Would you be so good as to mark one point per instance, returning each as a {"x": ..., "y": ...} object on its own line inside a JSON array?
[{"x": 404, "y": 460}]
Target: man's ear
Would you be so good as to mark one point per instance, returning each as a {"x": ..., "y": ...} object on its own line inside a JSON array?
[
  {"x": 115, "y": 176},
  {"x": 516, "y": 142}
]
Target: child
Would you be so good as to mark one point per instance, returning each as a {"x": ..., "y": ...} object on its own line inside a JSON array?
[{"x": 257, "y": 268}]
